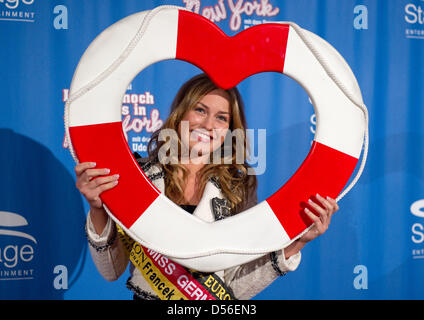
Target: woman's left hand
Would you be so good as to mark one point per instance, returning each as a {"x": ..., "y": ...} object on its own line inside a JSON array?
[{"x": 325, "y": 209}]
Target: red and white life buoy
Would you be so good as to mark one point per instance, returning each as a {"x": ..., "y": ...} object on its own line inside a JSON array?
[{"x": 94, "y": 129}]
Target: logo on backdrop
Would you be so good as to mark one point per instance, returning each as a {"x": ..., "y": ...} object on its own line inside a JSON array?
[
  {"x": 139, "y": 119},
  {"x": 17, "y": 10},
  {"x": 42, "y": 216},
  {"x": 417, "y": 229},
  {"x": 414, "y": 18},
  {"x": 18, "y": 250},
  {"x": 235, "y": 11}
]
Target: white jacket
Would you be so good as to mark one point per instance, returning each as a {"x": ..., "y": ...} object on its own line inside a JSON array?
[{"x": 245, "y": 280}]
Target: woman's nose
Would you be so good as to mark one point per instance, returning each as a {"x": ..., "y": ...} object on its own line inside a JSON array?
[{"x": 208, "y": 122}]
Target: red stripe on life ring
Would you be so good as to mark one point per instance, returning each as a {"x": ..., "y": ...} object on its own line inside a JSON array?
[
  {"x": 229, "y": 60},
  {"x": 106, "y": 145},
  {"x": 325, "y": 171}
]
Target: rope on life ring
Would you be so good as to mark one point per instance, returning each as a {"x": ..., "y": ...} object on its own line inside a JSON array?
[{"x": 94, "y": 131}]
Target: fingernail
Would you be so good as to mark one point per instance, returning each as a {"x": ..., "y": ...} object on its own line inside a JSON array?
[
  {"x": 116, "y": 176},
  {"x": 310, "y": 201},
  {"x": 107, "y": 170},
  {"x": 93, "y": 164},
  {"x": 318, "y": 195},
  {"x": 115, "y": 182}
]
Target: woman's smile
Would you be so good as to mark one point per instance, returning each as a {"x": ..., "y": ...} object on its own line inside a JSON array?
[{"x": 200, "y": 135}]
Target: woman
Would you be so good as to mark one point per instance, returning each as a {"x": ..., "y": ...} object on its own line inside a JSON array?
[{"x": 202, "y": 119}]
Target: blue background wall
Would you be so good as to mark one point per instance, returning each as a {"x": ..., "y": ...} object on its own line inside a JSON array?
[{"x": 374, "y": 247}]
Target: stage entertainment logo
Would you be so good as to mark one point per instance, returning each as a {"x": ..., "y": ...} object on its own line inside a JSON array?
[
  {"x": 414, "y": 17},
  {"x": 17, "y": 10},
  {"x": 139, "y": 119},
  {"x": 417, "y": 229},
  {"x": 17, "y": 248},
  {"x": 234, "y": 10}
]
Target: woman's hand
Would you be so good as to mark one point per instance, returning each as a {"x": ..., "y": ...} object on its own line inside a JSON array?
[
  {"x": 92, "y": 182},
  {"x": 325, "y": 208}
]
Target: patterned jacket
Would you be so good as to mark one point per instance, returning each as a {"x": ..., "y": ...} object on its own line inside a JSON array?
[{"x": 245, "y": 280}]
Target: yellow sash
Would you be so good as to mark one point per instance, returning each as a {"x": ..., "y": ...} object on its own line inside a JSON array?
[{"x": 171, "y": 281}]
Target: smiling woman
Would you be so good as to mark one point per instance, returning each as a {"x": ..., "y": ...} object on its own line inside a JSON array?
[
  {"x": 209, "y": 182},
  {"x": 202, "y": 115},
  {"x": 248, "y": 250}
]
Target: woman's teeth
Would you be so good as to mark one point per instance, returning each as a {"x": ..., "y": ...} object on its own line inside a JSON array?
[{"x": 201, "y": 137}]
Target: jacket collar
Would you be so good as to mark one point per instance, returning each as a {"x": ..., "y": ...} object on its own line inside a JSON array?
[{"x": 212, "y": 206}]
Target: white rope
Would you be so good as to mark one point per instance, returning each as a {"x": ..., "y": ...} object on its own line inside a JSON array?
[
  {"x": 128, "y": 51},
  {"x": 133, "y": 43},
  {"x": 348, "y": 94}
]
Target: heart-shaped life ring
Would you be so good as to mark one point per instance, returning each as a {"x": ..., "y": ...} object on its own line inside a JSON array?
[{"x": 94, "y": 129}]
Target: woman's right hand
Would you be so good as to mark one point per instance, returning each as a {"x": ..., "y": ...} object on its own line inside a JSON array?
[{"x": 92, "y": 182}]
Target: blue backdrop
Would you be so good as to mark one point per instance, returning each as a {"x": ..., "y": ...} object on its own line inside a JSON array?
[{"x": 374, "y": 248}]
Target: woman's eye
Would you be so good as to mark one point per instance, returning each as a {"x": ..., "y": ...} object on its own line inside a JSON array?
[
  {"x": 199, "y": 109},
  {"x": 222, "y": 118}
]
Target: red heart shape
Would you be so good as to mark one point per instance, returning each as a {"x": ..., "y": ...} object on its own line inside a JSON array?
[{"x": 229, "y": 60}]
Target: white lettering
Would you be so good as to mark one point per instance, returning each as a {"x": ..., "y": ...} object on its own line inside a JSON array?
[
  {"x": 139, "y": 147},
  {"x": 13, "y": 4},
  {"x": 215, "y": 14},
  {"x": 418, "y": 234},
  {"x": 27, "y": 253},
  {"x": 361, "y": 280},
  {"x": 125, "y": 110},
  {"x": 60, "y": 282},
  {"x": 260, "y": 159},
  {"x": 61, "y": 20},
  {"x": 189, "y": 288},
  {"x": 11, "y": 254},
  {"x": 182, "y": 280},
  {"x": 146, "y": 98},
  {"x": 184, "y": 310},
  {"x": 139, "y": 110},
  {"x": 262, "y": 8},
  {"x": 198, "y": 294},
  {"x": 138, "y": 124},
  {"x": 414, "y": 14},
  {"x": 313, "y": 120},
  {"x": 361, "y": 20},
  {"x": 13, "y": 258},
  {"x": 170, "y": 268},
  {"x": 192, "y": 5}
]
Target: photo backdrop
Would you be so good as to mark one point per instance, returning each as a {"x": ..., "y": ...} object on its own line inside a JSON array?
[{"x": 374, "y": 247}]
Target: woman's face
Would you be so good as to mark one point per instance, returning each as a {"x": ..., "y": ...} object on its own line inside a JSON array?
[{"x": 204, "y": 126}]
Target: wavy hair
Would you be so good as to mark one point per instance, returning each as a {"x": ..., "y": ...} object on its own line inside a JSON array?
[{"x": 230, "y": 173}]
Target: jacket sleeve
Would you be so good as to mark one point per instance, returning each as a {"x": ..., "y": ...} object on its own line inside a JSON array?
[
  {"x": 249, "y": 279},
  {"x": 106, "y": 250}
]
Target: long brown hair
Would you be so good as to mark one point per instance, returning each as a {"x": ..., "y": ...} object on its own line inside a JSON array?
[{"x": 230, "y": 174}]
